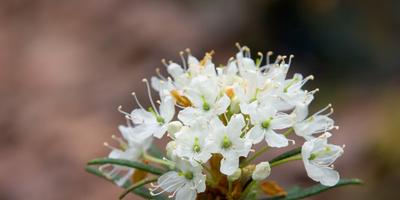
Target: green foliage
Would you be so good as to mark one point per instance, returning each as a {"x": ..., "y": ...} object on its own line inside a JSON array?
[
  {"x": 285, "y": 155},
  {"x": 300, "y": 193},
  {"x": 127, "y": 163},
  {"x": 140, "y": 190}
]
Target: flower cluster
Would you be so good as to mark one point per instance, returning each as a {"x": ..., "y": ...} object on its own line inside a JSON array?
[{"x": 223, "y": 111}]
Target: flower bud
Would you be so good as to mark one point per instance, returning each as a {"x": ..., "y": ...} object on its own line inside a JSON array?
[
  {"x": 262, "y": 171},
  {"x": 174, "y": 127},
  {"x": 170, "y": 148},
  {"x": 236, "y": 175}
]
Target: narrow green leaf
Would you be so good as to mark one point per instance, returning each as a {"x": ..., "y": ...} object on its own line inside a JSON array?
[
  {"x": 298, "y": 193},
  {"x": 127, "y": 163},
  {"x": 286, "y": 154},
  {"x": 136, "y": 186},
  {"x": 141, "y": 191}
]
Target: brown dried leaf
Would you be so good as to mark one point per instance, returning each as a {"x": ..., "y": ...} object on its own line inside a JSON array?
[{"x": 272, "y": 188}]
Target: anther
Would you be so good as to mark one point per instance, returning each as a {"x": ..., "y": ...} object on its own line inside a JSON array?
[
  {"x": 269, "y": 54},
  {"x": 238, "y": 46},
  {"x": 290, "y": 59},
  {"x": 164, "y": 62}
]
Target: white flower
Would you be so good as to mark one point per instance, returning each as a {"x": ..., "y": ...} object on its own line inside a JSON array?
[
  {"x": 265, "y": 121},
  {"x": 228, "y": 142},
  {"x": 207, "y": 101},
  {"x": 318, "y": 157},
  {"x": 262, "y": 171},
  {"x": 317, "y": 123},
  {"x": 192, "y": 143},
  {"x": 184, "y": 184},
  {"x": 129, "y": 149},
  {"x": 153, "y": 122}
]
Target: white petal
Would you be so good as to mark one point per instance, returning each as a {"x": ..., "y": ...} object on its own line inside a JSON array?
[
  {"x": 275, "y": 140},
  {"x": 158, "y": 133},
  {"x": 235, "y": 125},
  {"x": 282, "y": 121},
  {"x": 175, "y": 70},
  {"x": 186, "y": 193},
  {"x": 167, "y": 109},
  {"x": 140, "y": 116},
  {"x": 229, "y": 165},
  {"x": 188, "y": 115},
  {"x": 222, "y": 104},
  {"x": 256, "y": 134},
  {"x": 324, "y": 175}
]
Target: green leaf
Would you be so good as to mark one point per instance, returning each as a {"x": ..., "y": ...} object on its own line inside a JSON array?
[
  {"x": 127, "y": 163},
  {"x": 287, "y": 154},
  {"x": 155, "y": 151},
  {"x": 136, "y": 185},
  {"x": 141, "y": 191},
  {"x": 298, "y": 193}
]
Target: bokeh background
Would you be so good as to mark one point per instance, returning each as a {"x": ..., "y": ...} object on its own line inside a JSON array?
[{"x": 65, "y": 66}]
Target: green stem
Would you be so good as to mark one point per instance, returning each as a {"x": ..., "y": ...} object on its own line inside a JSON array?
[
  {"x": 292, "y": 158},
  {"x": 253, "y": 157},
  {"x": 248, "y": 189},
  {"x": 288, "y": 132},
  {"x": 137, "y": 185},
  {"x": 159, "y": 161},
  {"x": 229, "y": 187}
]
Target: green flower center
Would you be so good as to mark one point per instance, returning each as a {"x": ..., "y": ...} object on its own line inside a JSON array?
[
  {"x": 265, "y": 124},
  {"x": 226, "y": 143},
  {"x": 196, "y": 145},
  {"x": 206, "y": 106},
  {"x": 159, "y": 119},
  {"x": 325, "y": 151},
  {"x": 187, "y": 175}
]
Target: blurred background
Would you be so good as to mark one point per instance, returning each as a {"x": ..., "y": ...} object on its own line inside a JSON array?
[{"x": 65, "y": 66}]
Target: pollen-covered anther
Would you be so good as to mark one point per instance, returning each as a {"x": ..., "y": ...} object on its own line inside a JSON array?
[
  {"x": 180, "y": 99},
  {"x": 229, "y": 92}
]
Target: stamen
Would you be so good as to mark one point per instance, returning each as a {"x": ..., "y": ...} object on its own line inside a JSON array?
[
  {"x": 283, "y": 60},
  {"x": 137, "y": 101},
  {"x": 323, "y": 109},
  {"x": 164, "y": 62},
  {"x": 290, "y": 59},
  {"x": 260, "y": 59},
  {"x": 122, "y": 111},
  {"x": 149, "y": 93},
  {"x": 238, "y": 46},
  {"x": 269, "y": 54},
  {"x": 183, "y": 60},
  {"x": 278, "y": 58},
  {"x": 159, "y": 74},
  {"x": 109, "y": 146}
]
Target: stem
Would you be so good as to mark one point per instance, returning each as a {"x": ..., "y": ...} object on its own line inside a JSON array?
[
  {"x": 247, "y": 190},
  {"x": 229, "y": 187},
  {"x": 288, "y": 132},
  {"x": 159, "y": 161},
  {"x": 137, "y": 185},
  {"x": 253, "y": 157},
  {"x": 292, "y": 158}
]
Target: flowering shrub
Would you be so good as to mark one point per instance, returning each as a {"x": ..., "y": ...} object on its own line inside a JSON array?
[{"x": 213, "y": 117}]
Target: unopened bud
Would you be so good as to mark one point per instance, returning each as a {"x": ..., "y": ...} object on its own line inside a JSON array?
[
  {"x": 236, "y": 175},
  {"x": 170, "y": 148},
  {"x": 262, "y": 171},
  {"x": 174, "y": 127}
]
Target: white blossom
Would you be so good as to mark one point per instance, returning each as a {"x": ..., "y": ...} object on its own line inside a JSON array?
[{"x": 318, "y": 157}]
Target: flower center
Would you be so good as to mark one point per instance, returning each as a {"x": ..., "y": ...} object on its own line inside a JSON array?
[
  {"x": 187, "y": 175},
  {"x": 159, "y": 119},
  {"x": 206, "y": 106},
  {"x": 196, "y": 145},
  {"x": 323, "y": 152},
  {"x": 226, "y": 143},
  {"x": 265, "y": 124}
]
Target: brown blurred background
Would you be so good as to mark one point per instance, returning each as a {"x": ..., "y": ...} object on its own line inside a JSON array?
[{"x": 65, "y": 66}]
